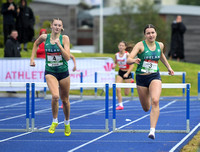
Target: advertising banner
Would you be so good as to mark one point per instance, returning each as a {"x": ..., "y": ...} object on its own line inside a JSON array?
[{"x": 19, "y": 70}]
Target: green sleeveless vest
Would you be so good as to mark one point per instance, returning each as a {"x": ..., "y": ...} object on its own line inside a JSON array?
[
  {"x": 54, "y": 59},
  {"x": 149, "y": 59}
]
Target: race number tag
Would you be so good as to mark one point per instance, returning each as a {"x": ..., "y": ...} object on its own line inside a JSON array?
[
  {"x": 54, "y": 59},
  {"x": 149, "y": 66}
]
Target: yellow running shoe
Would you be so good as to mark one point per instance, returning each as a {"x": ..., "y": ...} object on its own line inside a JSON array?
[
  {"x": 67, "y": 130},
  {"x": 53, "y": 127}
]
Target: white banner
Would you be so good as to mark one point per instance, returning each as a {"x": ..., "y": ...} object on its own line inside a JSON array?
[{"x": 19, "y": 70}]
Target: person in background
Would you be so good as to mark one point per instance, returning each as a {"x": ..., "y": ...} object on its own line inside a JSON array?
[
  {"x": 148, "y": 80},
  {"x": 9, "y": 12},
  {"x": 124, "y": 73},
  {"x": 25, "y": 23},
  {"x": 12, "y": 46},
  {"x": 41, "y": 50},
  {"x": 57, "y": 49},
  {"x": 177, "y": 39}
]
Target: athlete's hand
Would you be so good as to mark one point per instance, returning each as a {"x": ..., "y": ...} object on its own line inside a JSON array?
[
  {"x": 125, "y": 75},
  {"x": 114, "y": 65},
  {"x": 32, "y": 63},
  {"x": 57, "y": 41},
  {"x": 74, "y": 68},
  {"x": 137, "y": 60},
  {"x": 171, "y": 72}
]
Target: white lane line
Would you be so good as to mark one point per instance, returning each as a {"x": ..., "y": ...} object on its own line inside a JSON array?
[
  {"x": 185, "y": 138},
  {"x": 89, "y": 142},
  {"x": 39, "y": 111},
  {"x": 85, "y": 115},
  {"x": 12, "y": 105}
]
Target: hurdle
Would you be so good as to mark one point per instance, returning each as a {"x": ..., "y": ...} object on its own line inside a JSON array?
[
  {"x": 164, "y": 85},
  {"x": 73, "y": 72},
  {"x": 198, "y": 85},
  {"x": 163, "y": 73},
  {"x": 183, "y": 74},
  {"x": 78, "y": 85},
  {"x": 108, "y": 72},
  {"x": 22, "y": 85}
]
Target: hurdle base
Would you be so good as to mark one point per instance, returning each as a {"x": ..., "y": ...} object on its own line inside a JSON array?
[
  {"x": 143, "y": 131},
  {"x": 74, "y": 130},
  {"x": 15, "y": 130}
]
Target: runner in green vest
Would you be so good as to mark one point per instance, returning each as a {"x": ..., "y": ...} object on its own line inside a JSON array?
[
  {"x": 148, "y": 79},
  {"x": 57, "y": 52}
]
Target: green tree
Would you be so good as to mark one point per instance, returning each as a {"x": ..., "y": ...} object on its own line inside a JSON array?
[
  {"x": 189, "y": 2},
  {"x": 130, "y": 24}
]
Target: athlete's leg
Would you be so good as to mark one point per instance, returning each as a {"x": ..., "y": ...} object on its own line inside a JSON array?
[
  {"x": 127, "y": 90},
  {"x": 52, "y": 83},
  {"x": 64, "y": 95},
  {"x": 155, "y": 88},
  {"x": 144, "y": 97},
  {"x": 119, "y": 95}
]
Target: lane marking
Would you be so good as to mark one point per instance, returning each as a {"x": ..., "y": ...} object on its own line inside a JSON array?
[
  {"x": 89, "y": 142},
  {"x": 185, "y": 138},
  {"x": 85, "y": 115},
  {"x": 39, "y": 111}
]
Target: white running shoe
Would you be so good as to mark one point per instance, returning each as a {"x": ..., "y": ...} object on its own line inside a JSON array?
[{"x": 152, "y": 134}]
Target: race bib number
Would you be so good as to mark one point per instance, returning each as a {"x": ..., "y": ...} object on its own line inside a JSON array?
[
  {"x": 54, "y": 59},
  {"x": 149, "y": 66}
]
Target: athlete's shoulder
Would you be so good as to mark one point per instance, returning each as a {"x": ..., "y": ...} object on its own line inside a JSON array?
[
  {"x": 161, "y": 45},
  {"x": 117, "y": 53},
  {"x": 126, "y": 52},
  {"x": 65, "y": 37},
  {"x": 140, "y": 43}
]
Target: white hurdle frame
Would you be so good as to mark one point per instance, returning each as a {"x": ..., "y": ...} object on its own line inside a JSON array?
[
  {"x": 163, "y": 73},
  {"x": 27, "y": 88},
  {"x": 164, "y": 85},
  {"x": 78, "y": 85}
]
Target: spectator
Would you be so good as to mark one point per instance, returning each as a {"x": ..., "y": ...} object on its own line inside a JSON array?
[
  {"x": 12, "y": 46},
  {"x": 25, "y": 23},
  {"x": 177, "y": 39},
  {"x": 41, "y": 50},
  {"x": 9, "y": 12}
]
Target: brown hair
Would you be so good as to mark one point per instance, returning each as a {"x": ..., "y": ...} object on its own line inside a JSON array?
[
  {"x": 129, "y": 46},
  {"x": 149, "y": 26},
  {"x": 58, "y": 20},
  {"x": 123, "y": 42}
]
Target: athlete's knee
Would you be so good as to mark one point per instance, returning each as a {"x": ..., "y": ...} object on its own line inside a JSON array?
[
  {"x": 55, "y": 97},
  {"x": 146, "y": 109},
  {"x": 155, "y": 101},
  {"x": 126, "y": 93},
  {"x": 118, "y": 90}
]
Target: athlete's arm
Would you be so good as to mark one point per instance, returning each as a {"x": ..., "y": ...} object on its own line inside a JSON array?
[
  {"x": 74, "y": 60},
  {"x": 113, "y": 67},
  {"x": 133, "y": 54},
  {"x": 66, "y": 50},
  {"x": 130, "y": 67},
  {"x": 41, "y": 39},
  {"x": 164, "y": 60}
]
